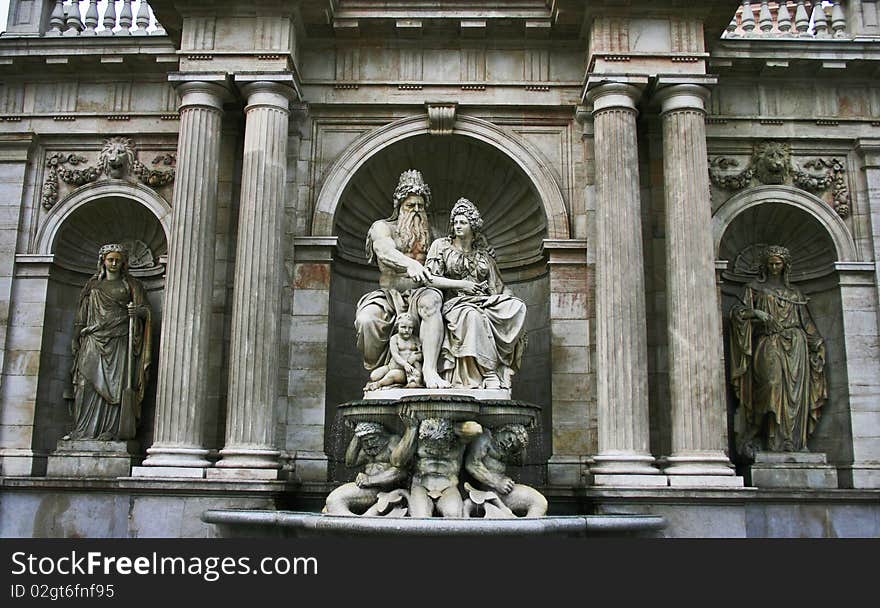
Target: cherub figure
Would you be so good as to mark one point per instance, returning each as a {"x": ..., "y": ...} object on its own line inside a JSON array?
[{"x": 405, "y": 365}]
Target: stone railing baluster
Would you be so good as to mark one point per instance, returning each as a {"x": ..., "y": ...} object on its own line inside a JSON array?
[
  {"x": 820, "y": 20},
  {"x": 765, "y": 19},
  {"x": 91, "y": 19},
  {"x": 56, "y": 19},
  {"x": 125, "y": 19},
  {"x": 143, "y": 19},
  {"x": 748, "y": 19},
  {"x": 838, "y": 21},
  {"x": 74, "y": 20},
  {"x": 109, "y": 20},
  {"x": 801, "y": 19},
  {"x": 730, "y": 32},
  {"x": 783, "y": 19}
]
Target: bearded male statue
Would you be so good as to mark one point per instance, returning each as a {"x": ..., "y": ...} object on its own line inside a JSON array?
[{"x": 399, "y": 246}]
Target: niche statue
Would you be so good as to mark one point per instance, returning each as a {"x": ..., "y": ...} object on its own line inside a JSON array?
[
  {"x": 111, "y": 350},
  {"x": 777, "y": 360}
]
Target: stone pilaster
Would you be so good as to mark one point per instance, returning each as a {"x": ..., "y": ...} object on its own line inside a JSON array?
[
  {"x": 181, "y": 395},
  {"x": 696, "y": 359},
  {"x": 574, "y": 414},
  {"x": 621, "y": 342},
  {"x": 256, "y": 308},
  {"x": 308, "y": 358}
]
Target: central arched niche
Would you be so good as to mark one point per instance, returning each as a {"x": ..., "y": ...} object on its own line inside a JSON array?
[{"x": 514, "y": 223}]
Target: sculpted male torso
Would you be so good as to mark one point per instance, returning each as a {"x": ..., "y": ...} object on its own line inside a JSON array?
[{"x": 399, "y": 245}]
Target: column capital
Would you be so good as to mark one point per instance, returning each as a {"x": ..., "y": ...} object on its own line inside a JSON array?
[
  {"x": 268, "y": 89},
  {"x": 623, "y": 92},
  {"x": 685, "y": 96},
  {"x": 209, "y": 90},
  {"x": 869, "y": 148}
]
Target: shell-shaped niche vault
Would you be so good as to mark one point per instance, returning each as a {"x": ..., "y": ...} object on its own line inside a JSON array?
[
  {"x": 110, "y": 220},
  {"x": 811, "y": 247},
  {"x": 454, "y": 167}
]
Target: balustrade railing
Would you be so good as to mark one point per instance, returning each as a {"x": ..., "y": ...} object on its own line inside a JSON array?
[
  {"x": 103, "y": 18},
  {"x": 791, "y": 19}
]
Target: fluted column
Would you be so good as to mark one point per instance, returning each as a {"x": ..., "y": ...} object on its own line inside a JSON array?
[
  {"x": 621, "y": 340},
  {"x": 256, "y": 308},
  {"x": 181, "y": 395},
  {"x": 696, "y": 360}
]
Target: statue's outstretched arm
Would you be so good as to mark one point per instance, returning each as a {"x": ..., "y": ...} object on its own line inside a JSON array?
[
  {"x": 404, "y": 451},
  {"x": 354, "y": 456}
]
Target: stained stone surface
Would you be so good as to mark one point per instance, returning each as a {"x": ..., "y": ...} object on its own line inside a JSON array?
[
  {"x": 91, "y": 458},
  {"x": 793, "y": 470}
]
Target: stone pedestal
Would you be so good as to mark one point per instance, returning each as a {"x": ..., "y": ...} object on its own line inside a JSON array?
[
  {"x": 91, "y": 458},
  {"x": 793, "y": 470},
  {"x": 621, "y": 339}
]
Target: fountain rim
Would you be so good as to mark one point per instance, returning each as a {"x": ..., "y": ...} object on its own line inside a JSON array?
[{"x": 548, "y": 525}]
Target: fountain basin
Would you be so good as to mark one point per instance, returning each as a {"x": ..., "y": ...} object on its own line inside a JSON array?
[
  {"x": 252, "y": 523},
  {"x": 457, "y": 408}
]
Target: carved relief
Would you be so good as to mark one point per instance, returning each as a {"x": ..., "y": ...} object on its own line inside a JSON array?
[
  {"x": 117, "y": 160},
  {"x": 771, "y": 163}
]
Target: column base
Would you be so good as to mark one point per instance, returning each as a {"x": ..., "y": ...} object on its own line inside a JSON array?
[
  {"x": 706, "y": 481},
  {"x": 158, "y": 456},
  {"x": 630, "y": 480},
  {"x": 160, "y": 472},
  {"x": 713, "y": 464},
  {"x": 624, "y": 463},
  {"x": 248, "y": 458}
]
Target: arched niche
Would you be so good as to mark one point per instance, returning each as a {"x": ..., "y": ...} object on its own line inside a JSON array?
[
  {"x": 72, "y": 233},
  {"x": 818, "y": 239},
  {"x": 515, "y": 223}
]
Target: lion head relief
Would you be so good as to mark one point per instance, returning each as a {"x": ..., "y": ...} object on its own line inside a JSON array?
[
  {"x": 772, "y": 162},
  {"x": 117, "y": 157}
]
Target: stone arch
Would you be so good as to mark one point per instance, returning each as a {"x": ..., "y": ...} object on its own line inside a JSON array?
[
  {"x": 815, "y": 207},
  {"x": 48, "y": 232},
  {"x": 373, "y": 142}
]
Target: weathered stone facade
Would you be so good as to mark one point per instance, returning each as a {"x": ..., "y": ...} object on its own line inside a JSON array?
[{"x": 620, "y": 155}]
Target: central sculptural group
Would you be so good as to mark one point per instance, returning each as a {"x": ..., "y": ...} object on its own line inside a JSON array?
[
  {"x": 441, "y": 319},
  {"x": 470, "y": 329}
]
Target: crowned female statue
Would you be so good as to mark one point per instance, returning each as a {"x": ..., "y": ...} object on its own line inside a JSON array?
[
  {"x": 485, "y": 325},
  {"x": 111, "y": 349},
  {"x": 777, "y": 360}
]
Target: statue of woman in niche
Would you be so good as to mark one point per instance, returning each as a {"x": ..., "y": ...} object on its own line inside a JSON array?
[
  {"x": 111, "y": 350},
  {"x": 777, "y": 360},
  {"x": 485, "y": 325}
]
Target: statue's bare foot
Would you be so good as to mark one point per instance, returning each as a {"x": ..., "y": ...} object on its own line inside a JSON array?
[
  {"x": 433, "y": 380},
  {"x": 371, "y": 386}
]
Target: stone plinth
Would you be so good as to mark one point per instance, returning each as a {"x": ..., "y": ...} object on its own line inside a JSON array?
[
  {"x": 793, "y": 470},
  {"x": 91, "y": 458},
  {"x": 399, "y": 393}
]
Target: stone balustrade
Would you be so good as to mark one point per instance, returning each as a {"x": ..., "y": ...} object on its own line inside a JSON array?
[
  {"x": 790, "y": 19},
  {"x": 103, "y": 18}
]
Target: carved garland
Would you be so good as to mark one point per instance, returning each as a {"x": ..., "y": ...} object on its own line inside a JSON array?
[
  {"x": 117, "y": 160},
  {"x": 816, "y": 175}
]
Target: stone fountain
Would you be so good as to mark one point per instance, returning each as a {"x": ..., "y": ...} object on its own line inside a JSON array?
[{"x": 436, "y": 430}]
